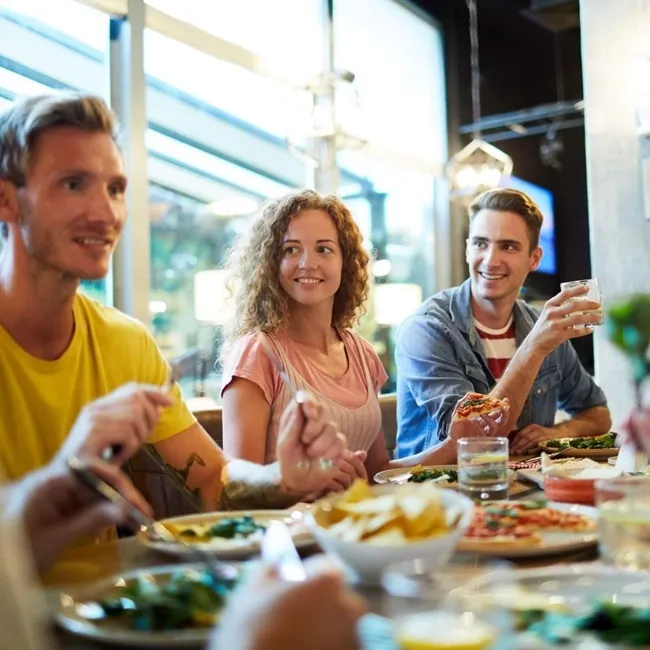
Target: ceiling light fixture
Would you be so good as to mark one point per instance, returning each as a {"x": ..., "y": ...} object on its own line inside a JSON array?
[{"x": 479, "y": 166}]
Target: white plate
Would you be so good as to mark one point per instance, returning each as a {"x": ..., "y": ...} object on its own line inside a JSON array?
[
  {"x": 402, "y": 474},
  {"x": 67, "y": 615},
  {"x": 552, "y": 542},
  {"x": 537, "y": 477},
  {"x": 573, "y": 584},
  {"x": 231, "y": 549}
]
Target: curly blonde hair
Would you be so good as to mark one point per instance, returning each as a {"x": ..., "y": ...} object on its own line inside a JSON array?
[{"x": 260, "y": 303}]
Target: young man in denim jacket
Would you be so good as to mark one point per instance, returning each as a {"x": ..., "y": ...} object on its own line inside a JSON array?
[{"x": 479, "y": 338}]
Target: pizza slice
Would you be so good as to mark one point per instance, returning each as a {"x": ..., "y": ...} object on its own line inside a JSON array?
[
  {"x": 520, "y": 523},
  {"x": 473, "y": 405},
  {"x": 537, "y": 516},
  {"x": 495, "y": 532}
]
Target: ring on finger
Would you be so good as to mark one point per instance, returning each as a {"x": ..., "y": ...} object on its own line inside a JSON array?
[
  {"x": 305, "y": 463},
  {"x": 325, "y": 463}
]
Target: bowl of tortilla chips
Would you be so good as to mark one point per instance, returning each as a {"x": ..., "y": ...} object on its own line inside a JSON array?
[{"x": 368, "y": 528}]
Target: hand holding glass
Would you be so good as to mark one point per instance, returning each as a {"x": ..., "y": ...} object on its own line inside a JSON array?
[{"x": 593, "y": 294}]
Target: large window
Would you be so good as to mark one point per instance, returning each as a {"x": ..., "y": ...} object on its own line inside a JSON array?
[{"x": 216, "y": 140}]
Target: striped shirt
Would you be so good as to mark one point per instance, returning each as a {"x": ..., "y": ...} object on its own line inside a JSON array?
[{"x": 499, "y": 346}]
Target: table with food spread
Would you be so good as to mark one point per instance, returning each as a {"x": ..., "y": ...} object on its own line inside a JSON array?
[{"x": 436, "y": 567}]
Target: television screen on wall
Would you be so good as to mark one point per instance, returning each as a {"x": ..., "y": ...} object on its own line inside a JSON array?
[{"x": 544, "y": 200}]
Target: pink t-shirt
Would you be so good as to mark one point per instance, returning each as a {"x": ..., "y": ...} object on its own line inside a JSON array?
[{"x": 351, "y": 398}]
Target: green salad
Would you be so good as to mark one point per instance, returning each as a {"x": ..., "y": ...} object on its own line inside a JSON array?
[
  {"x": 606, "y": 441},
  {"x": 227, "y": 528},
  {"x": 423, "y": 475},
  {"x": 608, "y": 622},
  {"x": 186, "y": 600}
]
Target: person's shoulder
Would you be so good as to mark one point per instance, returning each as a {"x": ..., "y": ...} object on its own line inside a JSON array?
[
  {"x": 247, "y": 344},
  {"x": 366, "y": 346},
  {"x": 246, "y": 353},
  {"x": 435, "y": 309},
  {"x": 105, "y": 321}
]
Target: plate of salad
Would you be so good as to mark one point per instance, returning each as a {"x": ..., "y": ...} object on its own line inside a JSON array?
[
  {"x": 573, "y": 605},
  {"x": 163, "y": 607},
  {"x": 443, "y": 475},
  {"x": 594, "y": 447},
  {"x": 227, "y": 535}
]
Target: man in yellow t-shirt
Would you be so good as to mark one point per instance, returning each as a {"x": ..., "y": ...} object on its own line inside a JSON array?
[
  {"x": 41, "y": 399},
  {"x": 65, "y": 360}
]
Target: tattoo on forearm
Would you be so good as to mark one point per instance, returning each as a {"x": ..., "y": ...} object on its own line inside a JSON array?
[
  {"x": 179, "y": 477},
  {"x": 252, "y": 486}
]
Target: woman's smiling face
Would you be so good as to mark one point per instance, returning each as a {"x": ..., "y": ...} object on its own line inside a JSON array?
[{"x": 311, "y": 261}]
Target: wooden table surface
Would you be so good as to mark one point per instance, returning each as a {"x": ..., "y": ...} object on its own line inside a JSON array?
[{"x": 91, "y": 563}]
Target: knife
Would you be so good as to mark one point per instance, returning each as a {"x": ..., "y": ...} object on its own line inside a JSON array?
[{"x": 279, "y": 552}]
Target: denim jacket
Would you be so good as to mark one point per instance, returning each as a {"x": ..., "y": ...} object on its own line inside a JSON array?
[{"x": 440, "y": 357}]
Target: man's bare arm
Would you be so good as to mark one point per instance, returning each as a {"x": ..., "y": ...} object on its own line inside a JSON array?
[
  {"x": 591, "y": 422},
  {"x": 309, "y": 449},
  {"x": 555, "y": 325},
  {"x": 210, "y": 481},
  {"x": 517, "y": 381}
]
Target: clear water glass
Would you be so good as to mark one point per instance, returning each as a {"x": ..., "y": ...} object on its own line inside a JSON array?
[
  {"x": 429, "y": 610},
  {"x": 483, "y": 468},
  {"x": 624, "y": 521},
  {"x": 594, "y": 294}
]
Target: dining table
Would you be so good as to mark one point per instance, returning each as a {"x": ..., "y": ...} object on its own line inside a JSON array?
[{"x": 90, "y": 563}]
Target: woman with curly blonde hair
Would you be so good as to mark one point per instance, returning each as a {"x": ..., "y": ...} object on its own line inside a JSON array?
[{"x": 300, "y": 281}]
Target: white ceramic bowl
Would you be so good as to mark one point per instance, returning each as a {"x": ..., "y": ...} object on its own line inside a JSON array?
[{"x": 366, "y": 562}]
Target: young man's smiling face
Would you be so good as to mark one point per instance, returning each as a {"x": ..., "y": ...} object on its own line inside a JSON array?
[
  {"x": 72, "y": 208},
  {"x": 499, "y": 254}
]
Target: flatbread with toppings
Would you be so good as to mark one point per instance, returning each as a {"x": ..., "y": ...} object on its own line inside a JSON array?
[
  {"x": 518, "y": 523},
  {"x": 473, "y": 405}
]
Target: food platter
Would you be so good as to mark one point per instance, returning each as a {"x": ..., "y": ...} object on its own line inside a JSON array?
[
  {"x": 225, "y": 545},
  {"x": 551, "y": 542},
  {"x": 81, "y": 612},
  {"x": 564, "y": 447},
  {"x": 572, "y": 605},
  {"x": 403, "y": 474}
]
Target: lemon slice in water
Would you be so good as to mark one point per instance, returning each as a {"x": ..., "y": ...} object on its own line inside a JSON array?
[
  {"x": 443, "y": 631},
  {"x": 480, "y": 459}
]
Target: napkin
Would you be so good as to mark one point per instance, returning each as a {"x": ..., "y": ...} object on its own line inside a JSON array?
[
  {"x": 565, "y": 464},
  {"x": 630, "y": 459}
]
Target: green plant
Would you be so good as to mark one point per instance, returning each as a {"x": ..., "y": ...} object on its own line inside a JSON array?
[{"x": 628, "y": 328}]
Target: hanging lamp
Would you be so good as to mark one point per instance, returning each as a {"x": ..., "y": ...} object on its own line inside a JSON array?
[{"x": 479, "y": 166}]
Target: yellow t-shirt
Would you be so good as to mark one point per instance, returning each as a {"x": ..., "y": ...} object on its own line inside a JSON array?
[{"x": 40, "y": 400}]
